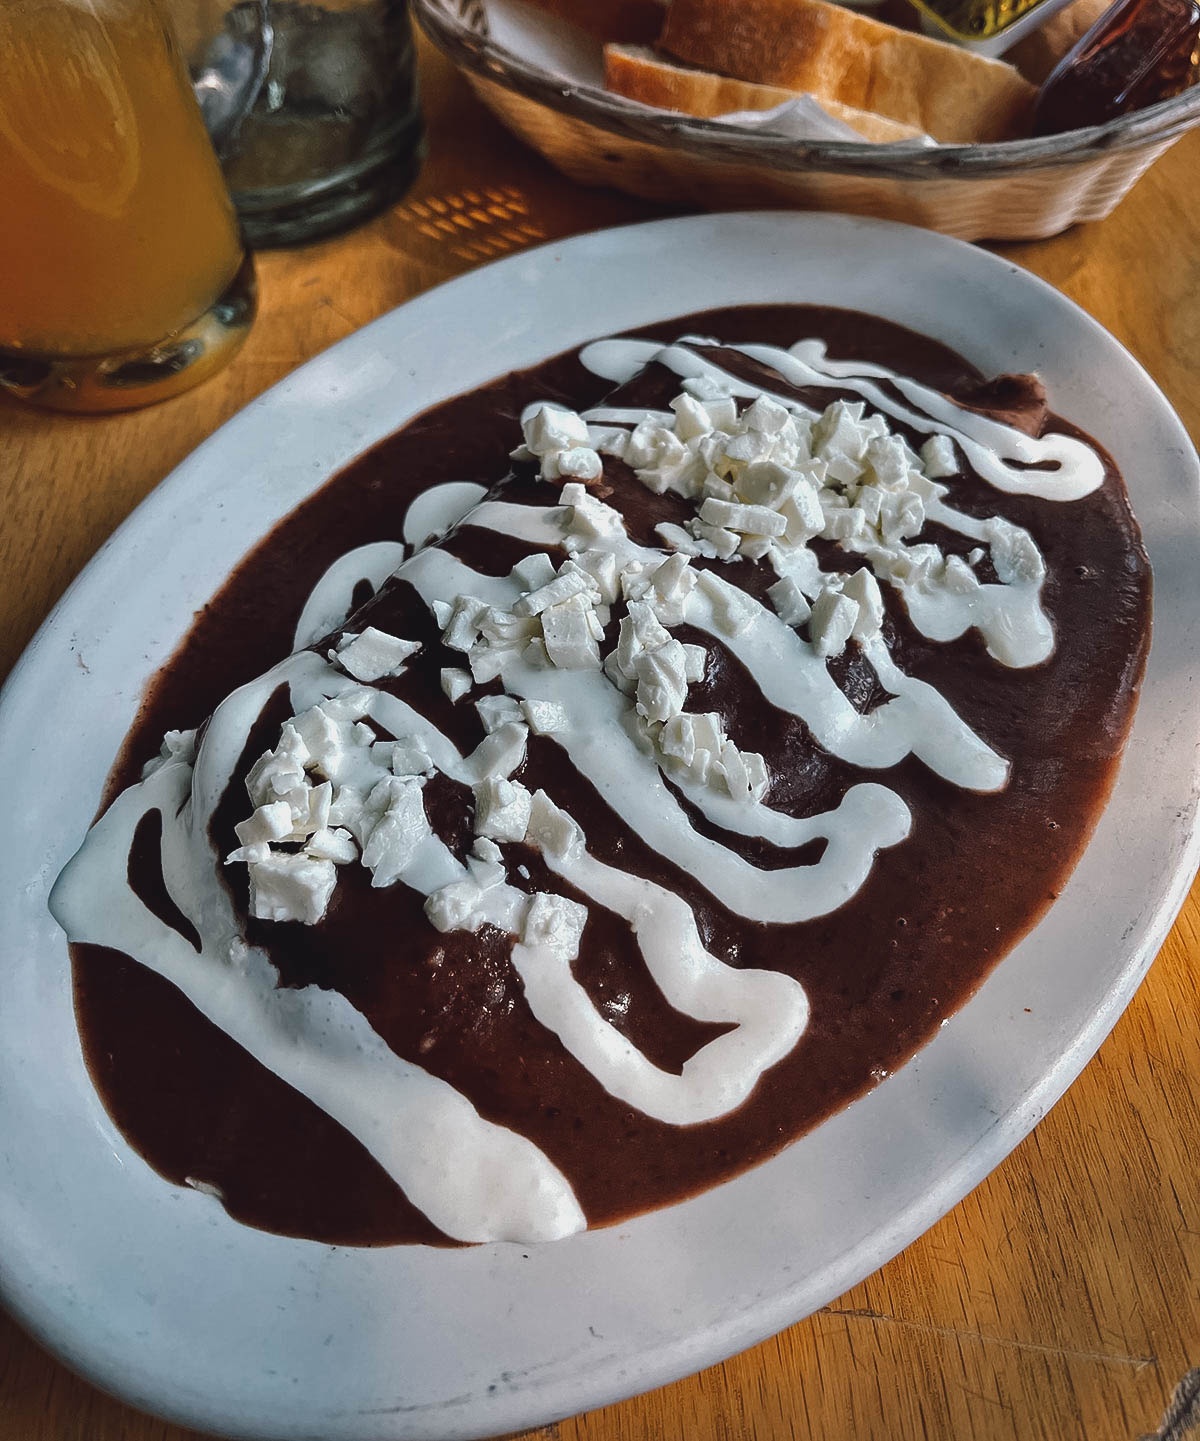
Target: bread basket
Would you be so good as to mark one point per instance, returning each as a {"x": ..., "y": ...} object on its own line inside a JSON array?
[{"x": 1014, "y": 190}]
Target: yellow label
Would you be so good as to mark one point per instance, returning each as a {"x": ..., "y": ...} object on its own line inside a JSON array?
[{"x": 976, "y": 19}]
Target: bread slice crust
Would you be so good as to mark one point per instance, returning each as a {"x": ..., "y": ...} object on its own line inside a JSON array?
[
  {"x": 639, "y": 74},
  {"x": 835, "y": 53}
]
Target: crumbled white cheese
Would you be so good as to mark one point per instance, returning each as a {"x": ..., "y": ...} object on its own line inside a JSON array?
[
  {"x": 958, "y": 577},
  {"x": 863, "y": 589},
  {"x": 334, "y": 845},
  {"x": 500, "y": 752},
  {"x": 554, "y": 922},
  {"x": 869, "y": 502},
  {"x": 279, "y": 771},
  {"x": 287, "y": 887},
  {"x": 789, "y": 601},
  {"x": 272, "y": 822},
  {"x": 698, "y": 745},
  {"x": 718, "y": 542},
  {"x": 678, "y": 738},
  {"x": 669, "y": 586},
  {"x": 587, "y": 519},
  {"x": 651, "y": 443},
  {"x": 460, "y": 627},
  {"x": 832, "y": 621},
  {"x": 902, "y": 514},
  {"x": 373, "y": 654},
  {"x": 568, "y": 638},
  {"x": 842, "y": 431},
  {"x": 640, "y": 630},
  {"x": 766, "y": 483},
  {"x": 533, "y": 571},
  {"x": 843, "y": 524},
  {"x": 351, "y": 705},
  {"x": 455, "y": 907},
  {"x": 609, "y": 439},
  {"x": 801, "y": 509},
  {"x": 661, "y": 681},
  {"x": 570, "y": 581},
  {"x": 733, "y": 610},
  {"x": 713, "y": 487},
  {"x": 1015, "y": 557},
  {"x": 349, "y": 809},
  {"x": 938, "y": 457},
  {"x": 455, "y": 683},
  {"x": 766, "y": 415},
  {"x": 400, "y": 829},
  {"x": 549, "y": 429},
  {"x": 322, "y": 733},
  {"x": 714, "y": 394},
  {"x": 748, "y": 447},
  {"x": 695, "y": 661},
  {"x": 544, "y": 717},
  {"x": 485, "y": 851},
  {"x": 761, "y": 484},
  {"x": 746, "y": 519},
  {"x": 409, "y": 757},
  {"x": 581, "y": 462},
  {"x": 552, "y": 830},
  {"x": 888, "y": 463},
  {"x": 601, "y": 566},
  {"x": 486, "y": 867},
  {"x": 497, "y": 710},
  {"x": 692, "y": 420},
  {"x": 502, "y": 810},
  {"x": 310, "y": 807}
]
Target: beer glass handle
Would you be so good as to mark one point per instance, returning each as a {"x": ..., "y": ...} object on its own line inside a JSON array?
[{"x": 230, "y": 71}]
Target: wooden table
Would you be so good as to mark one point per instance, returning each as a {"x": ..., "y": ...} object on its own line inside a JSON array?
[{"x": 1061, "y": 1299}]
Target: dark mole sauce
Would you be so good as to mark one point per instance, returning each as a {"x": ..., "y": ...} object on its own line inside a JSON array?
[{"x": 881, "y": 973}]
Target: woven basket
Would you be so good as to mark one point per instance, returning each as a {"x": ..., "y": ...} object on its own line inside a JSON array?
[{"x": 1014, "y": 190}]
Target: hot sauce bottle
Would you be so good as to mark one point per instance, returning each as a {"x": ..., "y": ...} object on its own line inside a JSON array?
[{"x": 1137, "y": 53}]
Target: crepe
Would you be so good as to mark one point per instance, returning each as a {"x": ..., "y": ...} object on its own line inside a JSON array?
[{"x": 560, "y": 838}]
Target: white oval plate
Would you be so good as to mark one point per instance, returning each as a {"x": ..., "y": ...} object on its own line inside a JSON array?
[{"x": 155, "y": 1294}]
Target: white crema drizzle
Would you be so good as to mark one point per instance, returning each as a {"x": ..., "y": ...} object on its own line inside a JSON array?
[
  {"x": 1008, "y": 616},
  {"x": 475, "y": 1180},
  {"x": 785, "y": 667},
  {"x": 998, "y": 452}
]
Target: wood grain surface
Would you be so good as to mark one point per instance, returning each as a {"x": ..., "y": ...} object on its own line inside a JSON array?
[{"x": 1061, "y": 1299}]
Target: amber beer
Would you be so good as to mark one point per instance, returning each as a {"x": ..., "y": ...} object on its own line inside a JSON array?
[{"x": 122, "y": 272}]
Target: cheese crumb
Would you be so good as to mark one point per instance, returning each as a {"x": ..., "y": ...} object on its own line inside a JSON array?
[
  {"x": 373, "y": 654},
  {"x": 455, "y": 683},
  {"x": 287, "y": 887}
]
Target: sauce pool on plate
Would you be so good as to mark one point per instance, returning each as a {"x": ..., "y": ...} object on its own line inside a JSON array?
[{"x": 1004, "y": 736}]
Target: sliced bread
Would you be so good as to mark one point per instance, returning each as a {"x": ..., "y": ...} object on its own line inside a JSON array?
[
  {"x": 640, "y": 74},
  {"x": 838, "y": 54}
]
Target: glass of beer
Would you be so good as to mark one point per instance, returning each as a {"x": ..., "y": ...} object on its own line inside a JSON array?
[{"x": 123, "y": 277}]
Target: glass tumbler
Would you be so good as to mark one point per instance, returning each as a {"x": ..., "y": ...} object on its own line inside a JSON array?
[
  {"x": 312, "y": 106},
  {"x": 125, "y": 277}
]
